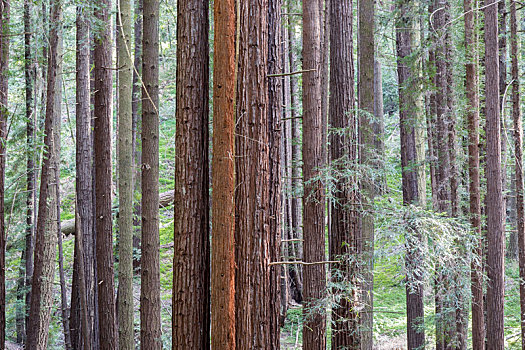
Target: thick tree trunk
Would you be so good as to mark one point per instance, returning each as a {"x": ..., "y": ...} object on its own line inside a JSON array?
[
  {"x": 409, "y": 118},
  {"x": 46, "y": 230},
  {"x": 314, "y": 328},
  {"x": 275, "y": 114},
  {"x": 495, "y": 215},
  {"x": 471, "y": 87},
  {"x": 223, "y": 209},
  {"x": 345, "y": 215},
  {"x": 191, "y": 266},
  {"x": 125, "y": 176},
  {"x": 4, "y": 64},
  {"x": 252, "y": 196},
  {"x": 107, "y": 322},
  {"x": 150, "y": 322}
]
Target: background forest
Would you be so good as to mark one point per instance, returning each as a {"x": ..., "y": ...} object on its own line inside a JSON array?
[{"x": 261, "y": 174}]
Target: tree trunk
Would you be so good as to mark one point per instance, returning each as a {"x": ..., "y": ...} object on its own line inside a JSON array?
[
  {"x": 136, "y": 93},
  {"x": 275, "y": 102},
  {"x": 409, "y": 118},
  {"x": 252, "y": 196},
  {"x": 125, "y": 174},
  {"x": 471, "y": 87},
  {"x": 84, "y": 191},
  {"x": 46, "y": 230},
  {"x": 379, "y": 127},
  {"x": 191, "y": 271},
  {"x": 107, "y": 322},
  {"x": 314, "y": 328},
  {"x": 150, "y": 322},
  {"x": 296, "y": 272},
  {"x": 26, "y": 264},
  {"x": 495, "y": 215},
  {"x": 223, "y": 209},
  {"x": 4, "y": 80},
  {"x": 345, "y": 215},
  {"x": 518, "y": 150},
  {"x": 369, "y": 153}
]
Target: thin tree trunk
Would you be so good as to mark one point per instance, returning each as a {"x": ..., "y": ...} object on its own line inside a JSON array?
[
  {"x": 136, "y": 93},
  {"x": 409, "y": 118},
  {"x": 518, "y": 150},
  {"x": 150, "y": 322},
  {"x": 125, "y": 176},
  {"x": 297, "y": 223},
  {"x": 84, "y": 187},
  {"x": 471, "y": 87},
  {"x": 4, "y": 64},
  {"x": 46, "y": 231},
  {"x": 314, "y": 328},
  {"x": 223, "y": 209},
  {"x": 379, "y": 127},
  {"x": 275, "y": 102},
  {"x": 108, "y": 333},
  {"x": 57, "y": 141},
  {"x": 495, "y": 215},
  {"x": 26, "y": 265},
  {"x": 368, "y": 154},
  {"x": 191, "y": 266}
]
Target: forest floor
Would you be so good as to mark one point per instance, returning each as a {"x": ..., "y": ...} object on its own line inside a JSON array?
[{"x": 390, "y": 313}]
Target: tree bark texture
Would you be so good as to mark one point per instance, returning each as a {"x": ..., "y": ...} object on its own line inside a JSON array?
[
  {"x": 108, "y": 332},
  {"x": 125, "y": 174},
  {"x": 252, "y": 194},
  {"x": 345, "y": 214},
  {"x": 495, "y": 215},
  {"x": 191, "y": 266},
  {"x": 314, "y": 328},
  {"x": 84, "y": 186},
  {"x": 471, "y": 87},
  {"x": 223, "y": 184},
  {"x": 150, "y": 322},
  {"x": 368, "y": 158},
  {"x": 46, "y": 230},
  {"x": 275, "y": 114}
]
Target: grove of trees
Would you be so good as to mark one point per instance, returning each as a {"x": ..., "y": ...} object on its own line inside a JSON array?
[{"x": 261, "y": 174}]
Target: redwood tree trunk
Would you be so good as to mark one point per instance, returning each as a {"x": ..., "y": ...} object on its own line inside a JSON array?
[
  {"x": 103, "y": 183},
  {"x": 368, "y": 154},
  {"x": 191, "y": 271},
  {"x": 471, "y": 87},
  {"x": 4, "y": 63},
  {"x": 345, "y": 215},
  {"x": 223, "y": 209},
  {"x": 252, "y": 169},
  {"x": 495, "y": 233},
  {"x": 518, "y": 149},
  {"x": 314, "y": 328},
  {"x": 275, "y": 114},
  {"x": 408, "y": 119},
  {"x": 46, "y": 230},
  {"x": 150, "y": 322},
  {"x": 125, "y": 177}
]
